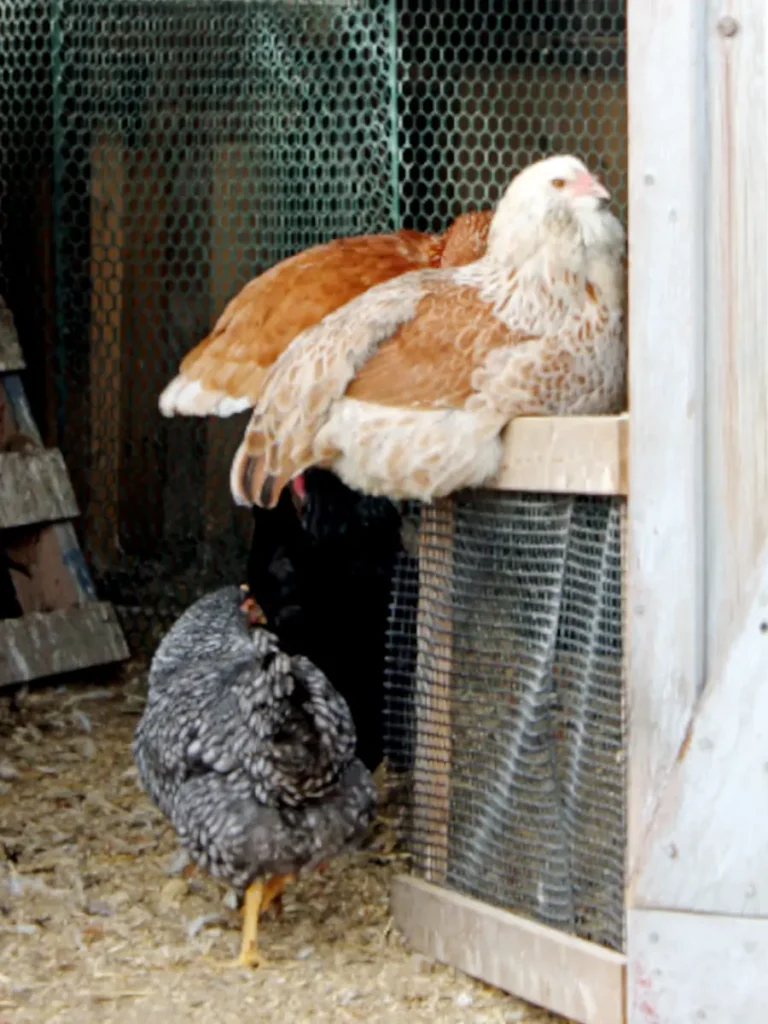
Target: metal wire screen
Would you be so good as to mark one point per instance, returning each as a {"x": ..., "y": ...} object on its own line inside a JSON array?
[
  {"x": 156, "y": 154},
  {"x": 504, "y": 699}
]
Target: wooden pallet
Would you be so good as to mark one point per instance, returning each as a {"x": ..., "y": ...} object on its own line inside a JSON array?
[{"x": 62, "y": 626}]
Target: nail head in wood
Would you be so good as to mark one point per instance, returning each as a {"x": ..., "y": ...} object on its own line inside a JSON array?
[{"x": 727, "y": 26}]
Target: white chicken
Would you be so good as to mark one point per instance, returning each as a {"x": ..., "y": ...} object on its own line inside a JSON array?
[{"x": 405, "y": 390}]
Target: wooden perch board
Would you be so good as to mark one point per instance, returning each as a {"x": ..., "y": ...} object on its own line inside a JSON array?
[{"x": 566, "y": 455}]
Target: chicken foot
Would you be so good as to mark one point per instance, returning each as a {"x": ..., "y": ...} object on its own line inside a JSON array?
[{"x": 258, "y": 897}]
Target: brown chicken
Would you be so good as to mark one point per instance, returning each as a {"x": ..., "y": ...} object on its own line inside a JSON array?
[
  {"x": 223, "y": 374},
  {"x": 405, "y": 391}
]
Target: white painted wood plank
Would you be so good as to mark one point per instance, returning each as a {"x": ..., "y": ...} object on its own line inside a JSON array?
[
  {"x": 708, "y": 848},
  {"x": 34, "y": 488},
  {"x": 737, "y": 308},
  {"x": 565, "y": 454},
  {"x": 542, "y": 965},
  {"x": 696, "y": 969},
  {"x": 667, "y": 171}
]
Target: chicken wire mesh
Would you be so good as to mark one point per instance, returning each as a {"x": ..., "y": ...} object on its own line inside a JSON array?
[
  {"x": 156, "y": 154},
  {"x": 511, "y": 725}
]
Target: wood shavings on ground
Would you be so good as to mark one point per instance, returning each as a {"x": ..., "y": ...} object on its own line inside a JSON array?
[{"x": 103, "y": 920}]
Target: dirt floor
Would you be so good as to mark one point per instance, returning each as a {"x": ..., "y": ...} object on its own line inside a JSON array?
[{"x": 101, "y": 921}]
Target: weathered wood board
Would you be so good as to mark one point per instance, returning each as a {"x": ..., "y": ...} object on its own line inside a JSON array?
[
  {"x": 708, "y": 848},
  {"x": 665, "y": 607},
  {"x": 63, "y": 627},
  {"x": 696, "y": 969},
  {"x": 34, "y": 488},
  {"x": 47, "y": 643},
  {"x": 578, "y": 979},
  {"x": 10, "y": 350}
]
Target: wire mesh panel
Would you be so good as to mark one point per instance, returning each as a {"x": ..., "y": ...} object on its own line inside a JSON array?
[
  {"x": 485, "y": 88},
  {"x": 505, "y": 701},
  {"x": 195, "y": 144},
  {"x": 156, "y": 154}
]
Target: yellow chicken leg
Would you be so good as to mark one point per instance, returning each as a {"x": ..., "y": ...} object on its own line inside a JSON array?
[
  {"x": 258, "y": 897},
  {"x": 249, "y": 944}
]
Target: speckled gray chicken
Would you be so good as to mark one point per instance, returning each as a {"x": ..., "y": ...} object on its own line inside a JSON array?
[{"x": 250, "y": 755}]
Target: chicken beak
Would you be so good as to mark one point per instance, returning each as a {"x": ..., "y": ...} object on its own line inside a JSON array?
[
  {"x": 587, "y": 184},
  {"x": 249, "y": 608}
]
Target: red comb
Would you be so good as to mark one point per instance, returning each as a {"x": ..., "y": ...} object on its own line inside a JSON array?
[{"x": 298, "y": 487}]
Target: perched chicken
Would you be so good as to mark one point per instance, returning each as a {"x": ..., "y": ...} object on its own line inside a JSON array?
[
  {"x": 405, "y": 390},
  {"x": 249, "y": 753},
  {"x": 224, "y": 373}
]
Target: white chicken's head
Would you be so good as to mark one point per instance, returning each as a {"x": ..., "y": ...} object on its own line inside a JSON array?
[{"x": 556, "y": 183}]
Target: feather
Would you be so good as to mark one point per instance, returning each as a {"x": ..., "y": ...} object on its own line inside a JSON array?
[
  {"x": 247, "y": 750},
  {"x": 223, "y": 375},
  {"x": 405, "y": 390}
]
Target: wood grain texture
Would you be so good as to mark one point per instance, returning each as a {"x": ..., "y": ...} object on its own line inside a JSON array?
[
  {"x": 11, "y": 357},
  {"x": 667, "y": 163},
  {"x": 707, "y": 850},
  {"x": 18, "y": 418},
  {"x": 566, "y": 455},
  {"x": 434, "y": 630},
  {"x": 39, "y": 645},
  {"x": 34, "y": 488},
  {"x": 737, "y": 310},
  {"x": 48, "y": 582},
  {"x": 696, "y": 969},
  {"x": 582, "y": 981}
]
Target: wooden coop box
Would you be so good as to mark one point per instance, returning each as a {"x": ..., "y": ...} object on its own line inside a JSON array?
[{"x": 586, "y": 820}]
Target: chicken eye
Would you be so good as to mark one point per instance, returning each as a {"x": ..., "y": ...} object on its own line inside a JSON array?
[{"x": 558, "y": 183}]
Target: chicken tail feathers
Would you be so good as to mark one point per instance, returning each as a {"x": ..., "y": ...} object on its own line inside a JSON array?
[
  {"x": 250, "y": 480},
  {"x": 188, "y": 396}
]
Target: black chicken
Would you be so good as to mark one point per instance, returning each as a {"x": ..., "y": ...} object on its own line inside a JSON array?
[
  {"x": 250, "y": 754},
  {"x": 324, "y": 580}
]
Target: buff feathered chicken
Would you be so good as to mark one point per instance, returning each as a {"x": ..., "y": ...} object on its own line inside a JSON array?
[
  {"x": 223, "y": 374},
  {"x": 249, "y": 752},
  {"x": 406, "y": 390}
]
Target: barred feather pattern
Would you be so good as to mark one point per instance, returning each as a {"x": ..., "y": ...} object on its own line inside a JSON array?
[{"x": 247, "y": 751}]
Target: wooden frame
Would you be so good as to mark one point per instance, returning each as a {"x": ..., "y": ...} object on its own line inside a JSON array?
[
  {"x": 697, "y": 918},
  {"x": 567, "y": 455},
  {"x": 545, "y": 966},
  {"x": 697, "y": 525}
]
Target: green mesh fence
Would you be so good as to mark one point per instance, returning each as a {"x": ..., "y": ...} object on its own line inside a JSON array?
[{"x": 156, "y": 154}]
